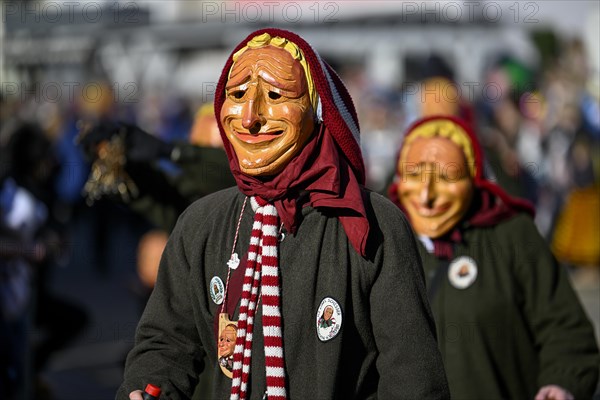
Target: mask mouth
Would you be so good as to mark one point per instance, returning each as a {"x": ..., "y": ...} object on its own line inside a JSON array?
[
  {"x": 251, "y": 138},
  {"x": 431, "y": 212}
]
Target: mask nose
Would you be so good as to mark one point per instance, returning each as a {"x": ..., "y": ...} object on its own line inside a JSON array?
[
  {"x": 252, "y": 118},
  {"x": 427, "y": 195}
]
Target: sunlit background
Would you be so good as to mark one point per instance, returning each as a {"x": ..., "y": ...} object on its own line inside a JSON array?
[{"x": 527, "y": 74}]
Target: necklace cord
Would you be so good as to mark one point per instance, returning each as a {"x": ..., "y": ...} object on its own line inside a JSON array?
[{"x": 237, "y": 232}]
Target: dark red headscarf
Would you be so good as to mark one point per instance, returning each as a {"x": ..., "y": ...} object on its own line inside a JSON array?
[
  {"x": 329, "y": 170},
  {"x": 490, "y": 205}
]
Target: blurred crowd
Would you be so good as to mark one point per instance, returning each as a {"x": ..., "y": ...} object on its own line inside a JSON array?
[
  {"x": 540, "y": 127},
  {"x": 539, "y": 124}
]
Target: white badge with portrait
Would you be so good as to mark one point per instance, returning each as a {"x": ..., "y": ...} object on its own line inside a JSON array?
[
  {"x": 329, "y": 319},
  {"x": 216, "y": 289},
  {"x": 462, "y": 272}
]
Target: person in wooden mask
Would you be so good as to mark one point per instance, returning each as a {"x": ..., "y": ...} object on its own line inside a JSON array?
[
  {"x": 508, "y": 322},
  {"x": 298, "y": 235}
]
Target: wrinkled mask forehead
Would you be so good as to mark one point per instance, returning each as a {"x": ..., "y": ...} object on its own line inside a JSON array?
[
  {"x": 273, "y": 65},
  {"x": 264, "y": 40}
]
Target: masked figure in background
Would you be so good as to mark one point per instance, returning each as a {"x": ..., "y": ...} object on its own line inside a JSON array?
[
  {"x": 308, "y": 234},
  {"x": 509, "y": 324}
]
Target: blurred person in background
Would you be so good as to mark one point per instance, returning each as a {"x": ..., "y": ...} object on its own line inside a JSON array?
[
  {"x": 34, "y": 244},
  {"x": 509, "y": 324},
  {"x": 574, "y": 164},
  {"x": 94, "y": 104},
  {"x": 438, "y": 92},
  {"x": 509, "y": 139},
  {"x": 377, "y": 108},
  {"x": 21, "y": 216},
  {"x": 379, "y": 119},
  {"x": 544, "y": 134},
  {"x": 100, "y": 230},
  {"x": 162, "y": 195}
]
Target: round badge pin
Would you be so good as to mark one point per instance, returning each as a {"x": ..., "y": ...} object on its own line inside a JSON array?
[
  {"x": 462, "y": 272},
  {"x": 329, "y": 319},
  {"x": 216, "y": 289}
]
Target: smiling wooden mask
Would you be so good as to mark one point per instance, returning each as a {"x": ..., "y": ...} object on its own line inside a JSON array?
[
  {"x": 436, "y": 171},
  {"x": 268, "y": 110}
]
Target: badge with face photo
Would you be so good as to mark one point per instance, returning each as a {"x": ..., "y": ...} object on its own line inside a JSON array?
[
  {"x": 329, "y": 319},
  {"x": 462, "y": 272},
  {"x": 216, "y": 289},
  {"x": 226, "y": 344}
]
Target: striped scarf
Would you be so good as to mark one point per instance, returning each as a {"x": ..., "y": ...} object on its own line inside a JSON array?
[{"x": 261, "y": 274}]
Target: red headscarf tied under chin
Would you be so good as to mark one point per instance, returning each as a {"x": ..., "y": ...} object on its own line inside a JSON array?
[
  {"x": 491, "y": 204},
  {"x": 330, "y": 166}
]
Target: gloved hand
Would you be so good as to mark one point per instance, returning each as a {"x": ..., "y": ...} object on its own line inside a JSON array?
[{"x": 91, "y": 135}]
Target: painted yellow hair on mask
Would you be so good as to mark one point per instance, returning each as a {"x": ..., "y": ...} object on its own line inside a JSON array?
[
  {"x": 446, "y": 129},
  {"x": 264, "y": 40}
]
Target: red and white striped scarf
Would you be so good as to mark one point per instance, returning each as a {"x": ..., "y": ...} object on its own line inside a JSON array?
[{"x": 262, "y": 274}]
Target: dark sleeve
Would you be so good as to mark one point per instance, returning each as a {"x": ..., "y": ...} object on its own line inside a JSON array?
[
  {"x": 205, "y": 170},
  {"x": 162, "y": 198},
  {"x": 568, "y": 352},
  {"x": 409, "y": 363},
  {"x": 159, "y": 200},
  {"x": 167, "y": 350}
]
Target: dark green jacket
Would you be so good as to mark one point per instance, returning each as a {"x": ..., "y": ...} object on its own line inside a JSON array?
[
  {"x": 518, "y": 326},
  {"x": 386, "y": 346}
]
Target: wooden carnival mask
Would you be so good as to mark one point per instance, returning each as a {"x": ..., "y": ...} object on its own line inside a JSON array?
[
  {"x": 436, "y": 184},
  {"x": 267, "y": 114},
  {"x": 226, "y": 344}
]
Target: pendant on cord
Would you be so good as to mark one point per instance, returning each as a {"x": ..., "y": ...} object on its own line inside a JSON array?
[
  {"x": 234, "y": 261},
  {"x": 226, "y": 343}
]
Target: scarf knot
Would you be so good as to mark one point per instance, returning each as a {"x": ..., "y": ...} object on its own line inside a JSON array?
[{"x": 261, "y": 278}]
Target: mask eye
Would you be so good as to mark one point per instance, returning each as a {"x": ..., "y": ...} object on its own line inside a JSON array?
[
  {"x": 274, "y": 95},
  {"x": 237, "y": 94},
  {"x": 411, "y": 174}
]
